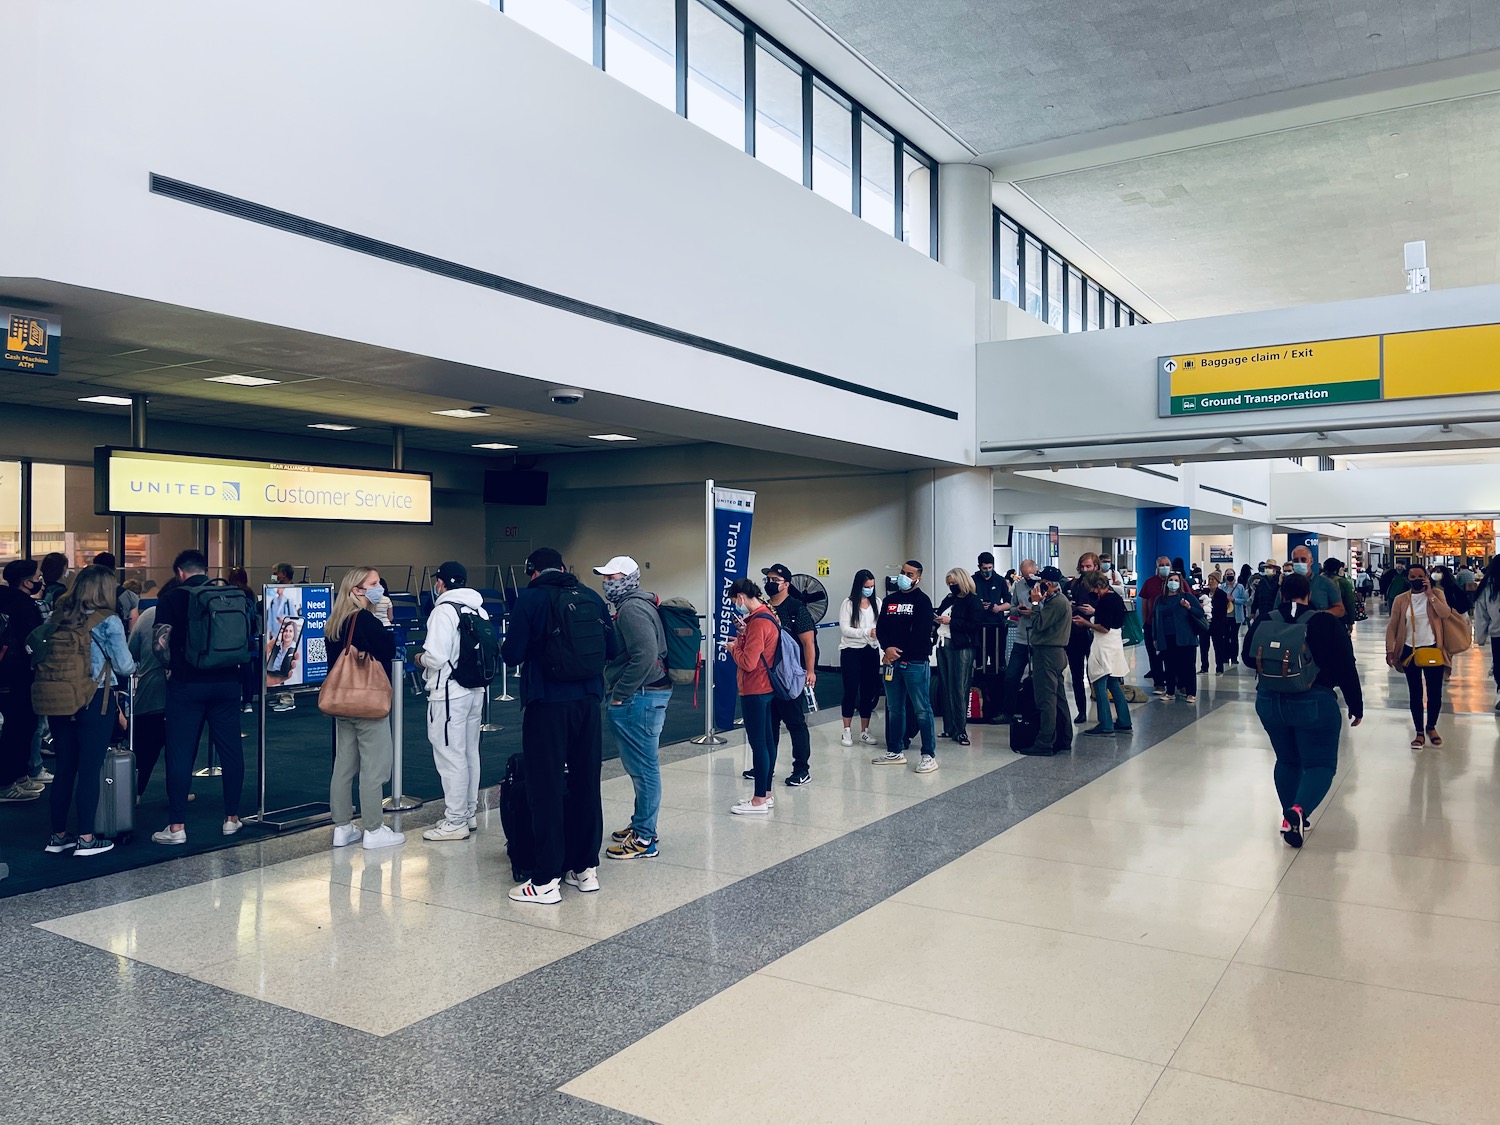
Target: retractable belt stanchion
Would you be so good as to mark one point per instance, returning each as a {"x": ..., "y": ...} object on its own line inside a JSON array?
[
  {"x": 398, "y": 802},
  {"x": 504, "y": 696}
]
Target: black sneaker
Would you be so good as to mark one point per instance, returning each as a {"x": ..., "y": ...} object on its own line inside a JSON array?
[
  {"x": 60, "y": 842},
  {"x": 799, "y": 777},
  {"x": 748, "y": 775},
  {"x": 1080, "y": 720}
]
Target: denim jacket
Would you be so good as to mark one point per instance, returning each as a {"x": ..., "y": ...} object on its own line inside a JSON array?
[{"x": 109, "y": 641}]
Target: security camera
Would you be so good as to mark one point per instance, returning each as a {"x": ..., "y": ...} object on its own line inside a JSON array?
[{"x": 566, "y": 396}]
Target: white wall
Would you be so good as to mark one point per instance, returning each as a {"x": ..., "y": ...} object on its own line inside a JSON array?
[
  {"x": 1408, "y": 492},
  {"x": 446, "y": 128}
]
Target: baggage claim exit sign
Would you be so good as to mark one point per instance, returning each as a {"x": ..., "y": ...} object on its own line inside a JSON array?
[{"x": 1437, "y": 362}]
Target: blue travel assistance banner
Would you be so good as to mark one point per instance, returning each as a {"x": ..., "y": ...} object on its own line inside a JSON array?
[
  {"x": 734, "y": 510},
  {"x": 293, "y": 646}
]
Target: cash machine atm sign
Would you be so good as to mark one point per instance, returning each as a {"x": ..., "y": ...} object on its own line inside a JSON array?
[{"x": 1315, "y": 373}]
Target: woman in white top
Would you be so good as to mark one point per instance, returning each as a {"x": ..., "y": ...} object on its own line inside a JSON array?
[
  {"x": 1418, "y": 615},
  {"x": 859, "y": 656}
]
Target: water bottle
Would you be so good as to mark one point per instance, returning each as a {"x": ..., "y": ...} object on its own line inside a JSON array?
[{"x": 810, "y": 698}]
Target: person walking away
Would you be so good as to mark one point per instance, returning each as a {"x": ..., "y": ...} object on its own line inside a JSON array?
[
  {"x": 199, "y": 691},
  {"x": 962, "y": 615},
  {"x": 990, "y": 656},
  {"x": 904, "y": 632},
  {"x": 20, "y": 614},
  {"x": 639, "y": 690},
  {"x": 1487, "y": 618},
  {"x": 1081, "y": 638},
  {"x": 561, "y": 635},
  {"x": 454, "y": 710},
  {"x": 1018, "y": 613},
  {"x": 1107, "y": 667},
  {"x": 1175, "y": 612},
  {"x": 1051, "y": 629},
  {"x": 1147, "y": 595},
  {"x": 1300, "y": 656},
  {"x": 1414, "y": 645},
  {"x": 362, "y": 747},
  {"x": 1221, "y": 620},
  {"x": 753, "y": 650},
  {"x": 792, "y": 612},
  {"x": 148, "y": 711},
  {"x": 859, "y": 657},
  {"x": 74, "y": 685}
]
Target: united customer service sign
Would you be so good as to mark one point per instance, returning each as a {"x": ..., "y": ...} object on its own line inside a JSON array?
[{"x": 148, "y": 482}]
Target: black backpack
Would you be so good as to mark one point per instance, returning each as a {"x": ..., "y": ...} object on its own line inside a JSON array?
[
  {"x": 478, "y": 660},
  {"x": 573, "y": 646},
  {"x": 220, "y": 626}
]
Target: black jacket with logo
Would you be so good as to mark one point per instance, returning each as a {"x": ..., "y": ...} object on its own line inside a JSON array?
[{"x": 906, "y": 623}]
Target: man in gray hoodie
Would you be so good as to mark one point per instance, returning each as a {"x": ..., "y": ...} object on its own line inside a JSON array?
[{"x": 639, "y": 690}]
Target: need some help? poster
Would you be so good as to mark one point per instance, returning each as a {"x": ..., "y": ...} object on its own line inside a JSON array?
[{"x": 293, "y": 649}]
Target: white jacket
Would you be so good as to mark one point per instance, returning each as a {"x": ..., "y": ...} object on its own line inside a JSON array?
[
  {"x": 1487, "y": 615},
  {"x": 850, "y": 637},
  {"x": 440, "y": 649}
]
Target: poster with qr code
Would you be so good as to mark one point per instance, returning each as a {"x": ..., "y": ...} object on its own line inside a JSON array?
[{"x": 294, "y": 648}]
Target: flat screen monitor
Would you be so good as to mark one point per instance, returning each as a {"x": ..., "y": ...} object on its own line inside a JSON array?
[{"x": 515, "y": 486}]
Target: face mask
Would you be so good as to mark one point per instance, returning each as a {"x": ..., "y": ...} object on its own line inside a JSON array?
[
  {"x": 953, "y": 587},
  {"x": 1107, "y": 567},
  {"x": 903, "y": 582},
  {"x": 1418, "y": 584},
  {"x": 1030, "y": 579},
  {"x": 1163, "y": 571},
  {"x": 773, "y": 588},
  {"x": 986, "y": 570},
  {"x": 375, "y": 595},
  {"x": 869, "y": 591},
  {"x": 617, "y": 589},
  {"x": 1269, "y": 572},
  {"x": 1299, "y": 568},
  {"x": 1174, "y": 586},
  {"x": 740, "y": 609}
]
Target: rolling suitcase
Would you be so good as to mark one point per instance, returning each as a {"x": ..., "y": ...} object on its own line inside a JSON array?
[
  {"x": 976, "y": 705},
  {"x": 115, "y": 816},
  {"x": 1026, "y": 722}
]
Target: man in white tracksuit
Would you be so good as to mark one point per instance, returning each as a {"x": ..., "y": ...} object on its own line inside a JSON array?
[{"x": 454, "y": 712}]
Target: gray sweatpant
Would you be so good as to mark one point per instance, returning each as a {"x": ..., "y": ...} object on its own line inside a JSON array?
[{"x": 363, "y": 747}]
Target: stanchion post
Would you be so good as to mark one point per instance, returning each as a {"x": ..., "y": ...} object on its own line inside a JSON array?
[
  {"x": 710, "y": 617},
  {"x": 398, "y": 802}
]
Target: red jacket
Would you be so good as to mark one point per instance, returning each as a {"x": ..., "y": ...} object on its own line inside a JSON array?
[
  {"x": 754, "y": 651},
  {"x": 1151, "y": 589}
]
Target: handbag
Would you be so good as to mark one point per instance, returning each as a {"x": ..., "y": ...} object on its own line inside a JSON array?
[
  {"x": 1428, "y": 656},
  {"x": 1458, "y": 634},
  {"x": 357, "y": 686}
]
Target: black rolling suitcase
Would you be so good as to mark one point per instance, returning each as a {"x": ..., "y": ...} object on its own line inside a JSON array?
[
  {"x": 989, "y": 673},
  {"x": 1027, "y": 719},
  {"x": 115, "y": 816},
  {"x": 515, "y": 819}
]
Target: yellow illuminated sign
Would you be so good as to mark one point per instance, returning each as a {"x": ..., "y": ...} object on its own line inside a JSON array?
[
  {"x": 144, "y": 482},
  {"x": 31, "y": 343},
  {"x": 1443, "y": 361}
]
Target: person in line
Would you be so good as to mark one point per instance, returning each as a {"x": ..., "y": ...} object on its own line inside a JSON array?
[
  {"x": 792, "y": 612},
  {"x": 905, "y": 635},
  {"x": 1205, "y": 597},
  {"x": 1265, "y": 590},
  {"x": 962, "y": 615},
  {"x": 1175, "y": 611},
  {"x": 54, "y": 570},
  {"x": 1082, "y": 599},
  {"x": 362, "y": 747},
  {"x": 1325, "y": 595},
  {"x": 1116, "y": 582},
  {"x": 753, "y": 650},
  {"x": 1221, "y": 620},
  {"x": 127, "y": 601},
  {"x": 196, "y": 696},
  {"x": 19, "y": 608},
  {"x": 1018, "y": 610},
  {"x": 1051, "y": 629},
  {"x": 1150, "y": 591},
  {"x": 1487, "y": 618},
  {"x": 250, "y": 670},
  {"x": 1107, "y": 664},
  {"x": 1304, "y": 726},
  {"x": 561, "y": 732},
  {"x": 148, "y": 712},
  {"x": 454, "y": 712},
  {"x": 990, "y": 655},
  {"x": 639, "y": 690},
  {"x": 859, "y": 658},
  {"x": 1417, "y": 617},
  {"x": 1234, "y": 588},
  {"x": 81, "y": 739}
]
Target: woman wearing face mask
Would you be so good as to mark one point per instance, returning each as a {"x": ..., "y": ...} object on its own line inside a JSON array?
[
  {"x": 753, "y": 651},
  {"x": 1241, "y": 598},
  {"x": 1081, "y": 639},
  {"x": 960, "y": 616},
  {"x": 1417, "y": 616},
  {"x": 1221, "y": 619},
  {"x": 859, "y": 657},
  {"x": 362, "y": 746},
  {"x": 1175, "y": 611}
]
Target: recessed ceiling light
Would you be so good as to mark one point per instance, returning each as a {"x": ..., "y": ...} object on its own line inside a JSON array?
[
  {"x": 242, "y": 380},
  {"x": 1049, "y": 107},
  {"x": 1373, "y": 36},
  {"x": 611, "y": 437},
  {"x": 1402, "y": 175},
  {"x": 107, "y": 400},
  {"x": 1395, "y": 134},
  {"x": 328, "y": 426},
  {"x": 1409, "y": 202},
  {"x": 493, "y": 445},
  {"x": 1119, "y": 185},
  {"x": 463, "y": 412}
]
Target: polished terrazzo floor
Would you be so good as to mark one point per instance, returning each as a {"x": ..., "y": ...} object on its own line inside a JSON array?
[{"x": 1116, "y": 935}]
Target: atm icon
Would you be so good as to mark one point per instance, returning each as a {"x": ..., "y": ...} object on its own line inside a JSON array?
[{"x": 26, "y": 335}]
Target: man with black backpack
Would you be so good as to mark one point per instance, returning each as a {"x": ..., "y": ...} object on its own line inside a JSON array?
[
  {"x": 459, "y": 659},
  {"x": 561, "y": 635},
  {"x": 204, "y": 631}
]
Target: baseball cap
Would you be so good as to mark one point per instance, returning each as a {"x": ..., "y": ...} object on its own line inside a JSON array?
[
  {"x": 1050, "y": 574},
  {"x": 453, "y": 574},
  {"x": 778, "y": 569},
  {"x": 620, "y": 564}
]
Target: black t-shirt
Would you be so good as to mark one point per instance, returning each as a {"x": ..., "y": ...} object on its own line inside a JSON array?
[
  {"x": 994, "y": 590},
  {"x": 794, "y": 617},
  {"x": 1109, "y": 611}
]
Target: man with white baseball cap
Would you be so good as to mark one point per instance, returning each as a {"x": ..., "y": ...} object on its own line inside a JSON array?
[{"x": 639, "y": 690}]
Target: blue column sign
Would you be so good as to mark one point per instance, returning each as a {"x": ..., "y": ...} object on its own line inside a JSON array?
[{"x": 1162, "y": 531}]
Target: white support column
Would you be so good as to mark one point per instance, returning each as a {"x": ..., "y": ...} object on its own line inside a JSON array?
[
  {"x": 1252, "y": 544},
  {"x": 965, "y": 203},
  {"x": 950, "y": 518}
]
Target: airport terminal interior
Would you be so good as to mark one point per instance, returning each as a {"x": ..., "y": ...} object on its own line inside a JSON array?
[{"x": 1089, "y": 339}]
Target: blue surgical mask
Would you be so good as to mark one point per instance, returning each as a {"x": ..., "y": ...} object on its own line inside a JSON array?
[
  {"x": 1299, "y": 568},
  {"x": 375, "y": 595},
  {"x": 1163, "y": 571},
  {"x": 903, "y": 582},
  {"x": 740, "y": 609},
  {"x": 869, "y": 591},
  {"x": 1174, "y": 586}
]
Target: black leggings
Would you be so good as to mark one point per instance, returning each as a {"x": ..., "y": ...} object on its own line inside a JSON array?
[
  {"x": 1415, "y": 678},
  {"x": 862, "y": 687}
]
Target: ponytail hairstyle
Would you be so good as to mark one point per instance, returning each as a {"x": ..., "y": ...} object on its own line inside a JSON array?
[{"x": 856, "y": 592}]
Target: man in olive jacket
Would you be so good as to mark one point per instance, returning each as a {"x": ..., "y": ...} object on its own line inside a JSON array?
[{"x": 1051, "y": 626}]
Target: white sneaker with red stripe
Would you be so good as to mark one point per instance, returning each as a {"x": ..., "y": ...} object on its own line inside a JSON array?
[{"x": 547, "y": 894}]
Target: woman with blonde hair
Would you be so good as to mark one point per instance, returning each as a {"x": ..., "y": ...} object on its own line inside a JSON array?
[
  {"x": 80, "y": 739},
  {"x": 362, "y": 747},
  {"x": 960, "y": 616}
]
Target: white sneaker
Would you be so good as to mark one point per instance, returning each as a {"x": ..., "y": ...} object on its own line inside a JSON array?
[
  {"x": 383, "y": 837},
  {"x": 867, "y": 738},
  {"x": 473, "y": 824},
  {"x": 847, "y": 738},
  {"x": 889, "y": 758},
  {"x": 546, "y": 894},
  {"x": 586, "y": 880},
  {"x": 167, "y": 836},
  {"x": 232, "y": 826},
  {"x": 447, "y": 830},
  {"x": 929, "y": 763},
  {"x": 346, "y": 834},
  {"x": 45, "y": 776},
  {"x": 747, "y": 807}
]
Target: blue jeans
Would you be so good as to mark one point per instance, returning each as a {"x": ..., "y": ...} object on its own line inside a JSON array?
[
  {"x": 910, "y": 685},
  {"x": 637, "y": 725},
  {"x": 756, "y": 710},
  {"x": 1108, "y": 688},
  {"x": 1304, "y": 729}
]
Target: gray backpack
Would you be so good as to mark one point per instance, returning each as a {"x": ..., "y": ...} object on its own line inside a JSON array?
[{"x": 1284, "y": 661}]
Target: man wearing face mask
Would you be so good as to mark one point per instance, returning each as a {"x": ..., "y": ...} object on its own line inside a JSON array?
[
  {"x": 1265, "y": 590},
  {"x": 639, "y": 690},
  {"x": 19, "y": 615},
  {"x": 791, "y": 611},
  {"x": 989, "y": 672},
  {"x": 1151, "y": 589},
  {"x": 1051, "y": 629},
  {"x": 904, "y": 631},
  {"x": 1326, "y": 595},
  {"x": 1018, "y": 611}
]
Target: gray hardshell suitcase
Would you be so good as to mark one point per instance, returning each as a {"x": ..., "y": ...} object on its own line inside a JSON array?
[{"x": 115, "y": 817}]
